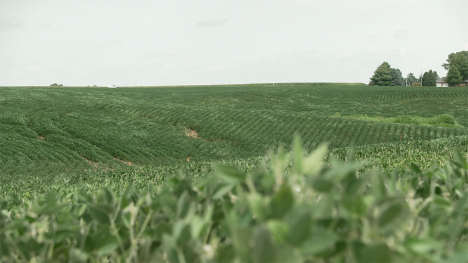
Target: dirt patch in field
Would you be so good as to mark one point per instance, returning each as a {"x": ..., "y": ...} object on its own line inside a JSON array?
[
  {"x": 191, "y": 133},
  {"x": 41, "y": 137},
  {"x": 122, "y": 161},
  {"x": 93, "y": 164},
  {"x": 96, "y": 165}
]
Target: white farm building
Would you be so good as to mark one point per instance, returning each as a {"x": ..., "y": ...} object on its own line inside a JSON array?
[
  {"x": 443, "y": 83},
  {"x": 112, "y": 86}
]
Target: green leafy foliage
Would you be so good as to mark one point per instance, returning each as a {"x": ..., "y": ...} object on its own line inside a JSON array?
[
  {"x": 313, "y": 212},
  {"x": 383, "y": 75},
  {"x": 411, "y": 79},
  {"x": 429, "y": 79},
  {"x": 397, "y": 77},
  {"x": 458, "y": 60},
  {"x": 453, "y": 76}
]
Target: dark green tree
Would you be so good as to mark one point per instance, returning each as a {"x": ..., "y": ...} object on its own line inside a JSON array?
[
  {"x": 459, "y": 60},
  {"x": 429, "y": 78},
  {"x": 434, "y": 78},
  {"x": 382, "y": 75},
  {"x": 425, "y": 78},
  {"x": 397, "y": 78},
  {"x": 411, "y": 79},
  {"x": 454, "y": 76}
]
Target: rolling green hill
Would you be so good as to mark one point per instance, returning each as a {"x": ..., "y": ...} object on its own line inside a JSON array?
[{"x": 49, "y": 132}]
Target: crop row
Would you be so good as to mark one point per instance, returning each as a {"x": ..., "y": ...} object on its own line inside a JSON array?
[
  {"x": 162, "y": 135},
  {"x": 159, "y": 134},
  {"x": 263, "y": 127},
  {"x": 400, "y": 155},
  {"x": 352, "y": 94}
]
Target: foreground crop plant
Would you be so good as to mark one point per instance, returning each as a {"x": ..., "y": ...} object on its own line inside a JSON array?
[{"x": 291, "y": 208}]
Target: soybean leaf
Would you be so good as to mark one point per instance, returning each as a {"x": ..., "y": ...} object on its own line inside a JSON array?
[
  {"x": 421, "y": 246},
  {"x": 340, "y": 171},
  {"x": 461, "y": 206},
  {"x": 98, "y": 214},
  {"x": 278, "y": 229},
  {"x": 460, "y": 160},
  {"x": 107, "y": 246},
  {"x": 183, "y": 205},
  {"x": 322, "y": 185},
  {"x": 287, "y": 253},
  {"x": 77, "y": 256},
  {"x": 257, "y": 206},
  {"x": 183, "y": 235},
  {"x": 263, "y": 250},
  {"x": 298, "y": 154},
  {"x": 300, "y": 228},
  {"x": 353, "y": 185},
  {"x": 355, "y": 205},
  {"x": 324, "y": 207},
  {"x": 313, "y": 163},
  {"x": 229, "y": 173},
  {"x": 319, "y": 241},
  {"x": 440, "y": 201},
  {"x": 225, "y": 253},
  {"x": 415, "y": 168},
  {"x": 282, "y": 201},
  {"x": 460, "y": 255},
  {"x": 377, "y": 184},
  {"x": 393, "y": 215},
  {"x": 105, "y": 196},
  {"x": 241, "y": 237},
  {"x": 376, "y": 253},
  {"x": 224, "y": 189}
]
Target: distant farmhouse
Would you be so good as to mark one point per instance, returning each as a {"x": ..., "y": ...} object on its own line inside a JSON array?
[
  {"x": 112, "y": 86},
  {"x": 442, "y": 82}
]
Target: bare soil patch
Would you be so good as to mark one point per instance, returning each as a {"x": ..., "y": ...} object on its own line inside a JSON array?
[
  {"x": 191, "y": 133},
  {"x": 125, "y": 162},
  {"x": 93, "y": 164}
]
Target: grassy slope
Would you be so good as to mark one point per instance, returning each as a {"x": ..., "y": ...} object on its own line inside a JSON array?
[{"x": 53, "y": 134}]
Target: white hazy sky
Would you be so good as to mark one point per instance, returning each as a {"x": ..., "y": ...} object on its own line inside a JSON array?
[{"x": 176, "y": 42}]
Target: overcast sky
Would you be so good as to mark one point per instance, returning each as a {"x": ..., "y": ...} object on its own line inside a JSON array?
[{"x": 176, "y": 42}]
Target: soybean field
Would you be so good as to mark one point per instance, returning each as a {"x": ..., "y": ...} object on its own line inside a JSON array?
[
  {"x": 47, "y": 132},
  {"x": 291, "y": 172}
]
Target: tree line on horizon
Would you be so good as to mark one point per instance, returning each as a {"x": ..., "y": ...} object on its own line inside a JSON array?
[{"x": 457, "y": 67}]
